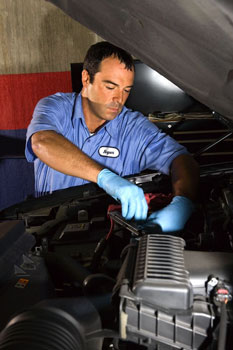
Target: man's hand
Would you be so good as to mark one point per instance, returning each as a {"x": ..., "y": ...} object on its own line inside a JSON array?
[
  {"x": 171, "y": 218},
  {"x": 132, "y": 197}
]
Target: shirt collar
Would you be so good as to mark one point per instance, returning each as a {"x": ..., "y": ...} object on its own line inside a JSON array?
[
  {"x": 78, "y": 108},
  {"x": 111, "y": 127}
]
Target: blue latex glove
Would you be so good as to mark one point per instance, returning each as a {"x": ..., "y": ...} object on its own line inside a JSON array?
[
  {"x": 133, "y": 202},
  {"x": 171, "y": 218}
]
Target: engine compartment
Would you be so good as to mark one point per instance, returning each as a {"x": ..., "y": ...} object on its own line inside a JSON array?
[
  {"x": 71, "y": 265},
  {"x": 156, "y": 291}
]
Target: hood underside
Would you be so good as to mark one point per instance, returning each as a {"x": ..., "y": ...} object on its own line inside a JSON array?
[{"x": 188, "y": 42}]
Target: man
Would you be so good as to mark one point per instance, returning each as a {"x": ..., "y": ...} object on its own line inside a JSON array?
[{"x": 74, "y": 139}]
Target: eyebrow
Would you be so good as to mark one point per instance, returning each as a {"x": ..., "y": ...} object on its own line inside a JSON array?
[{"x": 111, "y": 82}]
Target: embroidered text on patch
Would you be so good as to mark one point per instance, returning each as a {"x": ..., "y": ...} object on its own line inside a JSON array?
[{"x": 111, "y": 152}]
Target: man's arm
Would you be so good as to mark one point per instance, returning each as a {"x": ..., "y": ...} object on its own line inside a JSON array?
[
  {"x": 62, "y": 155},
  {"x": 185, "y": 176}
]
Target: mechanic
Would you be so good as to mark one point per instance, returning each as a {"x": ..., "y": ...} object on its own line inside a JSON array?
[{"x": 92, "y": 137}]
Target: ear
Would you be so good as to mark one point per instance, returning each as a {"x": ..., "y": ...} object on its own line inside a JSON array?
[{"x": 85, "y": 78}]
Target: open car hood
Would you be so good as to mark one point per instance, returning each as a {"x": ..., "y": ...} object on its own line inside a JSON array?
[
  {"x": 188, "y": 42},
  {"x": 73, "y": 268}
]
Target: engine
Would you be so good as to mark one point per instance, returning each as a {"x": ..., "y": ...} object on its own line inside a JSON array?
[
  {"x": 169, "y": 295},
  {"x": 70, "y": 267}
]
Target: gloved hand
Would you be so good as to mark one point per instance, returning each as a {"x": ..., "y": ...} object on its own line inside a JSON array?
[
  {"x": 171, "y": 218},
  {"x": 133, "y": 202}
]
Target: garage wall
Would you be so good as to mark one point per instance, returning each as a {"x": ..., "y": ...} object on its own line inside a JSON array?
[
  {"x": 38, "y": 43},
  {"x": 36, "y": 36}
]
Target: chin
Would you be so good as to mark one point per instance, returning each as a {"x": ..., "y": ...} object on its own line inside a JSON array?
[{"x": 110, "y": 116}]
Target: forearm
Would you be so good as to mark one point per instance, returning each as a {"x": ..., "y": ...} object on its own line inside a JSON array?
[
  {"x": 185, "y": 176},
  {"x": 60, "y": 154}
]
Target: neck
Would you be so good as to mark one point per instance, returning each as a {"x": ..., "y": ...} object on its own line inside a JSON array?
[{"x": 93, "y": 123}]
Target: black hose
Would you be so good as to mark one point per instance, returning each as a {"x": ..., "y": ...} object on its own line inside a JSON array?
[
  {"x": 55, "y": 324},
  {"x": 222, "y": 328},
  {"x": 98, "y": 254},
  {"x": 41, "y": 329},
  {"x": 70, "y": 268}
]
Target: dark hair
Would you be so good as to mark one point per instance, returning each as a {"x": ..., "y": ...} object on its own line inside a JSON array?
[{"x": 98, "y": 52}]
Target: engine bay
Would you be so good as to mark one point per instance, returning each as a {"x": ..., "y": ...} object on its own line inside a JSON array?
[
  {"x": 150, "y": 290},
  {"x": 73, "y": 269}
]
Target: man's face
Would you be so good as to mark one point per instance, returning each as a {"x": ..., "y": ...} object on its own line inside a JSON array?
[{"x": 106, "y": 96}]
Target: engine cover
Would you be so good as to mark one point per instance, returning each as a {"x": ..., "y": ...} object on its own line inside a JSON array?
[
  {"x": 160, "y": 278},
  {"x": 158, "y": 304}
]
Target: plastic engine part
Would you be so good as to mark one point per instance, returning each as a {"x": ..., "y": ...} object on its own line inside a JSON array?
[
  {"x": 157, "y": 305},
  {"x": 160, "y": 278}
]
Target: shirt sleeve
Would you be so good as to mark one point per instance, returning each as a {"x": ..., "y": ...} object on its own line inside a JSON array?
[
  {"x": 50, "y": 114},
  {"x": 159, "y": 151}
]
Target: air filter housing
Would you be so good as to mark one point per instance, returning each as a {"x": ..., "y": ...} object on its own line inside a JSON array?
[
  {"x": 157, "y": 305},
  {"x": 160, "y": 278}
]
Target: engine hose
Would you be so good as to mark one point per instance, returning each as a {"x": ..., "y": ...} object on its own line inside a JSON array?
[
  {"x": 98, "y": 254},
  {"x": 72, "y": 270},
  {"x": 40, "y": 330},
  {"x": 222, "y": 328},
  {"x": 56, "y": 324}
]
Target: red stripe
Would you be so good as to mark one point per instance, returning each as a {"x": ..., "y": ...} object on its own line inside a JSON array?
[{"x": 19, "y": 94}]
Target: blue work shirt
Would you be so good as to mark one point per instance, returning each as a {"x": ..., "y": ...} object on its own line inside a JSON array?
[{"x": 127, "y": 145}]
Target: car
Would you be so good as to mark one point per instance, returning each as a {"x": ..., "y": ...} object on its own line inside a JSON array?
[{"x": 74, "y": 273}]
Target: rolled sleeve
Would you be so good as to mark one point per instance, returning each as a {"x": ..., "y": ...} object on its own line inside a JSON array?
[
  {"x": 49, "y": 114},
  {"x": 160, "y": 153}
]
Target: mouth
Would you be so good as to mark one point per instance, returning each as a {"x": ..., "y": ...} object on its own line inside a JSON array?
[{"x": 114, "y": 109}]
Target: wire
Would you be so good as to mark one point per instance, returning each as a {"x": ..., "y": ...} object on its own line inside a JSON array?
[{"x": 110, "y": 230}]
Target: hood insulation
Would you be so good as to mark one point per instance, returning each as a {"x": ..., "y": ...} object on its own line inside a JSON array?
[{"x": 189, "y": 42}]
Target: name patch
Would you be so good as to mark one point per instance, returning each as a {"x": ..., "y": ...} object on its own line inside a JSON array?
[{"x": 111, "y": 152}]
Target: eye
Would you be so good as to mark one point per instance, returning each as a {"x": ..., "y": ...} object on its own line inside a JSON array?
[
  {"x": 127, "y": 91},
  {"x": 109, "y": 87}
]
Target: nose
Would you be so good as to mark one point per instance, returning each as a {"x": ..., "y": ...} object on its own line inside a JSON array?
[{"x": 118, "y": 97}]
